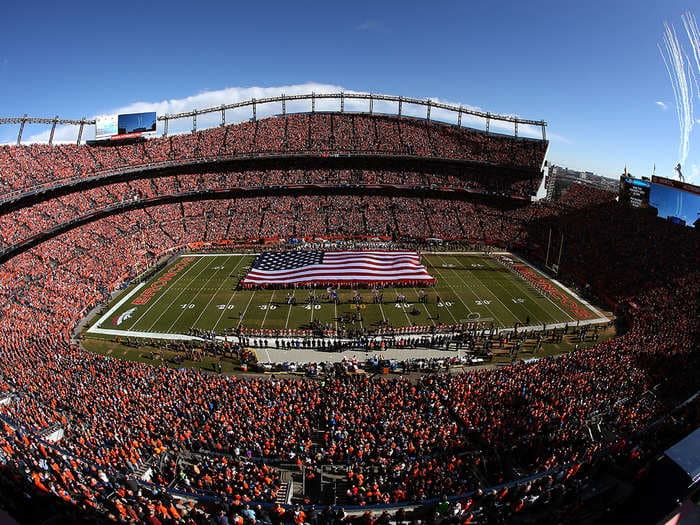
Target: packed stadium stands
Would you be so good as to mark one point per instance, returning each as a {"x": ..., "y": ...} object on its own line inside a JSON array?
[{"x": 482, "y": 446}]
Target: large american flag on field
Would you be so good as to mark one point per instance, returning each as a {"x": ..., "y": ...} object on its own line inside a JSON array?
[{"x": 342, "y": 267}]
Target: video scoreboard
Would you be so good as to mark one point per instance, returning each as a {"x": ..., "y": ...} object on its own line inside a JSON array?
[
  {"x": 634, "y": 192},
  {"x": 673, "y": 200},
  {"x": 127, "y": 125}
]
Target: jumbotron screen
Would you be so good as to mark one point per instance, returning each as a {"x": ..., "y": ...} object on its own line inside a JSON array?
[
  {"x": 676, "y": 201},
  {"x": 136, "y": 123},
  {"x": 125, "y": 125},
  {"x": 634, "y": 192}
]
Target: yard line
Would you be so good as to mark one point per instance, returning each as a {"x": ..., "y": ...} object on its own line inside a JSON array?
[
  {"x": 240, "y": 320},
  {"x": 458, "y": 296},
  {"x": 335, "y": 319},
  {"x": 527, "y": 294},
  {"x": 196, "y": 295},
  {"x": 223, "y": 282},
  {"x": 164, "y": 292},
  {"x": 228, "y": 303},
  {"x": 286, "y": 324},
  {"x": 490, "y": 291},
  {"x": 268, "y": 309},
  {"x": 382, "y": 311},
  {"x": 430, "y": 318},
  {"x": 517, "y": 280},
  {"x": 547, "y": 297},
  {"x": 404, "y": 311}
]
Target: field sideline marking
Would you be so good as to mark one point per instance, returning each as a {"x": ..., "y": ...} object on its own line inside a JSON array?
[
  {"x": 95, "y": 326},
  {"x": 217, "y": 254}
]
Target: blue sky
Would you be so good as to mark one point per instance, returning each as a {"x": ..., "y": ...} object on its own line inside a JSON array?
[{"x": 591, "y": 69}]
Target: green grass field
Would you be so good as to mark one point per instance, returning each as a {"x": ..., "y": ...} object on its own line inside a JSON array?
[{"x": 200, "y": 291}]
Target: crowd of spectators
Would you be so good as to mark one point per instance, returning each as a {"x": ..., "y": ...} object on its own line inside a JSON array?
[
  {"x": 79, "y": 428},
  {"x": 396, "y": 440},
  {"x": 278, "y": 217},
  {"x": 29, "y": 167}
]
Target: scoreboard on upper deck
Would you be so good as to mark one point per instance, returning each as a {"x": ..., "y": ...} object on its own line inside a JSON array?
[
  {"x": 634, "y": 192},
  {"x": 126, "y": 125}
]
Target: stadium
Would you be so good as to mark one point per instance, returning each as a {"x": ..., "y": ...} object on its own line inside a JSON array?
[{"x": 505, "y": 360}]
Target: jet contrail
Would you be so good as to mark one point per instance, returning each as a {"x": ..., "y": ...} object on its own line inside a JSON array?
[
  {"x": 682, "y": 78},
  {"x": 691, "y": 29}
]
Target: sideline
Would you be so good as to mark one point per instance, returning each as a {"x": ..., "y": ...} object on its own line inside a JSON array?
[
  {"x": 567, "y": 290},
  {"x": 94, "y": 328}
]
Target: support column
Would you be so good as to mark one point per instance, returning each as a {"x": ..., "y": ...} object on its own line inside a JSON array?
[
  {"x": 488, "y": 122},
  {"x": 255, "y": 111},
  {"x": 80, "y": 130},
  {"x": 342, "y": 102},
  {"x": 284, "y": 104},
  {"x": 194, "y": 122},
  {"x": 313, "y": 102},
  {"x": 400, "y": 105},
  {"x": 223, "y": 116},
  {"x": 544, "y": 131},
  {"x": 165, "y": 127},
  {"x": 459, "y": 117},
  {"x": 53, "y": 129},
  {"x": 516, "y": 129},
  {"x": 371, "y": 104},
  {"x": 427, "y": 115},
  {"x": 21, "y": 129}
]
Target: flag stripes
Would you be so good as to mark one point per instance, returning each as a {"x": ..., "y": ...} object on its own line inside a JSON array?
[{"x": 342, "y": 267}]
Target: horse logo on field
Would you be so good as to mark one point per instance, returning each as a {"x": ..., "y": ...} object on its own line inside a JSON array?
[{"x": 124, "y": 316}]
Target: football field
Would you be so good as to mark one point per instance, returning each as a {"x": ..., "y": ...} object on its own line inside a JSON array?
[{"x": 196, "y": 292}]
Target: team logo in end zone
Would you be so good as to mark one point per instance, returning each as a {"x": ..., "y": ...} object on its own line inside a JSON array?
[{"x": 124, "y": 317}]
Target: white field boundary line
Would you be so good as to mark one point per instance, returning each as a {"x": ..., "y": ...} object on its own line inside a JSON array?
[
  {"x": 567, "y": 290},
  {"x": 217, "y": 254},
  {"x": 95, "y": 327},
  {"x": 222, "y": 254},
  {"x": 181, "y": 337},
  {"x": 271, "y": 340}
]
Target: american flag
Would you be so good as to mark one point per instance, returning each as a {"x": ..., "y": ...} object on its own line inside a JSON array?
[{"x": 344, "y": 267}]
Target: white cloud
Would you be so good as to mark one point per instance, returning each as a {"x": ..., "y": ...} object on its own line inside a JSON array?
[
  {"x": 368, "y": 25},
  {"x": 662, "y": 105},
  {"x": 215, "y": 98}
]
